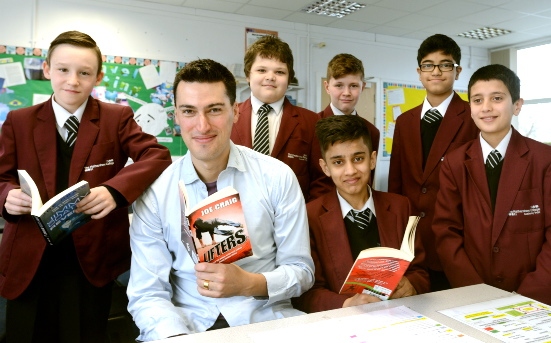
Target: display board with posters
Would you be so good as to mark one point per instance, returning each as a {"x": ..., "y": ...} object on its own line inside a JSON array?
[
  {"x": 143, "y": 84},
  {"x": 397, "y": 99}
]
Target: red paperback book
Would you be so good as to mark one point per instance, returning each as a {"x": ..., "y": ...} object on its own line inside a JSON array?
[
  {"x": 214, "y": 230},
  {"x": 377, "y": 271}
]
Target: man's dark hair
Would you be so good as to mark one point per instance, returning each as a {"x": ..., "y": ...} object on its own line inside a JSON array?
[
  {"x": 75, "y": 38},
  {"x": 207, "y": 71},
  {"x": 439, "y": 42},
  {"x": 342, "y": 128},
  {"x": 497, "y": 72}
]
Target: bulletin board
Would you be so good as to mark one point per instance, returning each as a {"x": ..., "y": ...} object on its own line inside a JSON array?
[
  {"x": 397, "y": 99},
  {"x": 143, "y": 84}
]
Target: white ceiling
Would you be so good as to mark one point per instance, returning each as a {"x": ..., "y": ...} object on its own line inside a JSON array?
[{"x": 529, "y": 20}]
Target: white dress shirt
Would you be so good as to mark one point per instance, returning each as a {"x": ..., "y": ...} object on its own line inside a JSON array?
[
  {"x": 162, "y": 291},
  {"x": 442, "y": 108},
  {"x": 61, "y": 116},
  {"x": 501, "y": 147}
]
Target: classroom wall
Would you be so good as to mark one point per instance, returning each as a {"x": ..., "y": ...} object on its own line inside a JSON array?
[{"x": 165, "y": 32}]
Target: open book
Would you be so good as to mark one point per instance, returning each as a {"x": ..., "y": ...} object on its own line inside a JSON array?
[
  {"x": 214, "y": 230},
  {"x": 56, "y": 218},
  {"x": 377, "y": 271}
]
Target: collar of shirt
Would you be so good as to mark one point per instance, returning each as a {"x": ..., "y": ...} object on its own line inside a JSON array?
[
  {"x": 442, "y": 108},
  {"x": 274, "y": 118},
  {"x": 346, "y": 207},
  {"x": 61, "y": 116},
  {"x": 501, "y": 147},
  {"x": 235, "y": 160},
  {"x": 338, "y": 112},
  {"x": 276, "y": 106}
]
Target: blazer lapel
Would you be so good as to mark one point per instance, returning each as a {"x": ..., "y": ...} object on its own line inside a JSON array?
[
  {"x": 477, "y": 173},
  {"x": 327, "y": 112},
  {"x": 286, "y": 128},
  {"x": 413, "y": 133},
  {"x": 509, "y": 183},
  {"x": 386, "y": 220},
  {"x": 243, "y": 130},
  {"x": 335, "y": 237},
  {"x": 451, "y": 124},
  {"x": 87, "y": 132},
  {"x": 45, "y": 141}
]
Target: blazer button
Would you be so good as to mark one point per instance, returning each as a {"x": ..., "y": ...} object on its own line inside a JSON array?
[
  {"x": 499, "y": 279},
  {"x": 424, "y": 190},
  {"x": 496, "y": 249},
  {"x": 422, "y": 214}
]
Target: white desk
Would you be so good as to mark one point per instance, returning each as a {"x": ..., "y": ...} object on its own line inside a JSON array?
[{"x": 427, "y": 304}]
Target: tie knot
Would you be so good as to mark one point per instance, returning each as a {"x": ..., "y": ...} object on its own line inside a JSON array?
[
  {"x": 361, "y": 218},
  {"x": 432, "y": 115},
  {"x": 493, "y": 159},
  {"x": 72, "y": 128},
  {"x": 72, "y": 123},
  {"x": 264, "y": 110}
]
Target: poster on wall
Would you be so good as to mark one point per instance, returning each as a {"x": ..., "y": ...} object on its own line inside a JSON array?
[
  {"x": 252, "y": 35},
  {"x": 397, "y": 99},
  {"x": 146, "y": 85}
]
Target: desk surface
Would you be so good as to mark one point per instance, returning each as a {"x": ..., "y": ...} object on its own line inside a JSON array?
[{"x": 427, "y": 304}]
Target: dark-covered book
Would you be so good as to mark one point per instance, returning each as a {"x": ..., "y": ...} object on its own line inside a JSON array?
[{"x": 57, "y": 217}]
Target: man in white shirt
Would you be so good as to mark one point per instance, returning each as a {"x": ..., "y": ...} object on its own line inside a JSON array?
[{"x": 168, "y": 294}]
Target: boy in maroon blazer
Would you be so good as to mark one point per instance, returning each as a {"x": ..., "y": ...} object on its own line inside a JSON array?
[
  {"x": 492, "y": 218},
  {"x": 344, "y": 84},
  {"x": 270, "y": 124},
  {"x": 424, "y": 134},
  {"x": 352, "y": 218},
  {"x": 62, "y": 293}
]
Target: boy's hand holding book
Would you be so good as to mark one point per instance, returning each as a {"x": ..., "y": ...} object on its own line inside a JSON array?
[
  {"x": 404, "y": 289},
  {"x": 98, "y": 203},
  {"x": 360, "y": 299},
  {"x": 18, "y": 203}
]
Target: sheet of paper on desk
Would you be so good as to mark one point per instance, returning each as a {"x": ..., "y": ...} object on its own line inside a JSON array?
[
  {"x": 388, "y": 325},
  {"x": 511, "y": 319}
]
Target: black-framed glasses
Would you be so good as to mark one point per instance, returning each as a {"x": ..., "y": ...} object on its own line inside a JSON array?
[{"x": 441, "y": 66}]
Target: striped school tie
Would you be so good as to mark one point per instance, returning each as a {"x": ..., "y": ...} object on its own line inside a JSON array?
[
  {"x": 493, "y": 159},
  {"x": 432, "y": 116},
  {"x": 261, "y": 133},
  {"x": 362, "y": 218},
  {"x": 72, "y": 128}
]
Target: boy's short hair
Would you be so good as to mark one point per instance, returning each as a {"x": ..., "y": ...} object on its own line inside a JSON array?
[
  {"x": 75, "y": 38},
  {"x": 344, "y": 64},
  {"x": 207, "y": 71},
  {"x": 439, "y": 42},
  {"x": 339, "y": 129},
  {"x": 269, "y": 47},
  {"x": 497, "y": 72}
]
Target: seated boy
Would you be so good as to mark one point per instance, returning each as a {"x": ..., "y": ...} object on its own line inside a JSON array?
[
  {"x": 270, "y": 124},
  {"x": 492, "y": 219},
  {"x": 336, "y": 238}
]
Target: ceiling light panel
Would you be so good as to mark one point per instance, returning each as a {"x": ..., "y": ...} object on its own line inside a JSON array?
[{"x": 333, "y": 8}]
